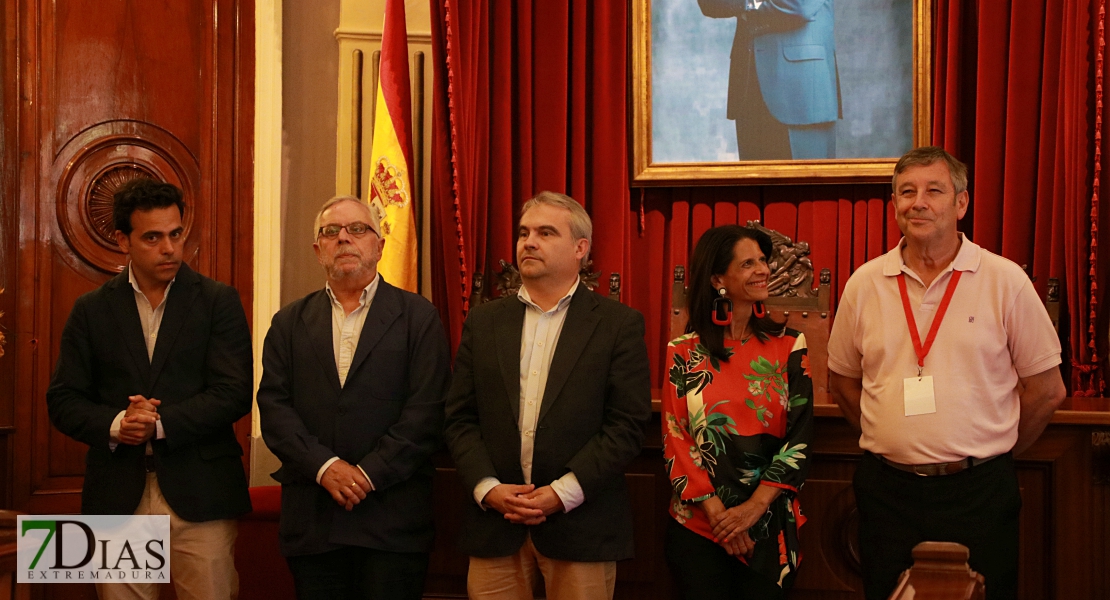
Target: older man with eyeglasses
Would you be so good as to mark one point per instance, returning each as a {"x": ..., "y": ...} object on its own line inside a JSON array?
[{"x": 351, "y": 400}]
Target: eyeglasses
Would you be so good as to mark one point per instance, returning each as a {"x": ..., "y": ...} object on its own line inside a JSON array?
[{"x": 356, "y": 229}]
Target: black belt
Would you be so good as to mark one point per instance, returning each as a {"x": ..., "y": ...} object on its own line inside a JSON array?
[
  {"x": 936, "y": 469},
  {"x": 150, "y": 463}
]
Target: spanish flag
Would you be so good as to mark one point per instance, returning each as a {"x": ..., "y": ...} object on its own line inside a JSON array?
[{"x": 391, "y": 170}]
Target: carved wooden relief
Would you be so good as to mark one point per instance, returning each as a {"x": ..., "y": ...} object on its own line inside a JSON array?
[
  {"x": 791, "y": 267},
  {"x": 93, "y": 166},
  {"x": 110, "y": 91},
  {"x": 508, "y": 280}
]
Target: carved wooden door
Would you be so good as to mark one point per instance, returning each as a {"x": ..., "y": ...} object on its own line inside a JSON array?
[{"x": 97, "y": 92}]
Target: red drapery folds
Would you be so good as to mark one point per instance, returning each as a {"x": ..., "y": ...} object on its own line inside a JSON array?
[
  {"x": 452, "y": 243},
  {"x": 538, "y": 101},
  {"x": 536, "y": 91},
  {"x": 1013, "y": 97},
  {"x": 537, "y": 97},
  {"x": 844, "y": 225}
]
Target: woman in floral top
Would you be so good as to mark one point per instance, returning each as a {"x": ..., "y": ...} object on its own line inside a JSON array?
[{"x": 737, "y": 423}]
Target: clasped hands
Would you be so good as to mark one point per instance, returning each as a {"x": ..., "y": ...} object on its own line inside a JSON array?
[
  {"x": 731, "y": 525},
  {"x": 524, "y": 504},
  {"x": 139, "y": 420},
  {"x": 346, "y": 484}
]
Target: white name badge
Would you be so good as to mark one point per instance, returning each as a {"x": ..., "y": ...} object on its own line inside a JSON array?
[{"x": 918, "y": 394}]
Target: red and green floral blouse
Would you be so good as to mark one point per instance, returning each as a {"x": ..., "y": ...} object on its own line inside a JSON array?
[{"x": 729, "y": 426}]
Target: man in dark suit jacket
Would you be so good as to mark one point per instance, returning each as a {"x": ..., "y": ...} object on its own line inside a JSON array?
[
  {"x": 783, "y": 90},
  {"x": 154, "y": 369},
  {"x": 550, "y": 397},
  {"x": 351, "y": 401}
]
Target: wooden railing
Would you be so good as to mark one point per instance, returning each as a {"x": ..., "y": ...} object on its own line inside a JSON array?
[{"x": 939, "y": 572}]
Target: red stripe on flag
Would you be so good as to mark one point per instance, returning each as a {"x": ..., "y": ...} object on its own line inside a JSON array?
[{"x": 393, "y": 76}]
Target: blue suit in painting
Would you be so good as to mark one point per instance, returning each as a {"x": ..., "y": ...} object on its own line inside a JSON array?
[{"x": 784, "y": 91}]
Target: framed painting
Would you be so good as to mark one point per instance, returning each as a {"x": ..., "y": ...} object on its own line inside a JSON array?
[{"x": 777, "y": 91}]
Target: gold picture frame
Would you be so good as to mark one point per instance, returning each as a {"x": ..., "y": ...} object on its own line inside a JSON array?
[{"x": 650, "y": 168}]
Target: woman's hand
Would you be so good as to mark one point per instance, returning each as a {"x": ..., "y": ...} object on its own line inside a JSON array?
[
  {"x": 738, "y": 545},
  {"x": 729, "y": 523}
]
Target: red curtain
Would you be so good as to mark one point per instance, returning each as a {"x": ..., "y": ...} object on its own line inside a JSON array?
[
  {"x": 538, "y": 101},
  {"x": 845, "y": 226},
  {"x": 554, "y": 116},
  {"x": 1013, "y": 95}
]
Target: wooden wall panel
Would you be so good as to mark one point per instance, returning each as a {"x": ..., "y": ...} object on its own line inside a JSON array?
[
  {"x": 141, "y": 61},
  {"x": 9, "y": 215},
  {"x": 1065, "y": 544},
  {"x": 1062, "y": 555},
  {"x": 108, "y": 91}
]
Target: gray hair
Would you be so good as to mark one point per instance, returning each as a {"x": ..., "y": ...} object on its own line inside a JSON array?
[
  {"x": 372, "y": 211},
  {"x": 581, "y": 227},
  {"x": 927, "y": 155}
]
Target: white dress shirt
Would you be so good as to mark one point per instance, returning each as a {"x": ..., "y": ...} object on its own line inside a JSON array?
[
  {"x": 538, "y": 340},
  {"x": 150, "y": 317},
  {"x": 346, "y": 329}
]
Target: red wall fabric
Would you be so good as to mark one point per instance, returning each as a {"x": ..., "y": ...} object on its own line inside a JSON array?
[
  {"x": 1013, "y": 97},
  {"x": 539, "y": 101}
]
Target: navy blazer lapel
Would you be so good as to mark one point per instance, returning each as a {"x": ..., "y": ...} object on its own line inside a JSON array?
[
  {"x": 577, "y": 330},
  {"x": 126, "y": 313},
  {"x": 317, "y": 321},
  {"x": 383, "y": 310},
  {"x": 182, "y": 294},
  {"x": 507, "y": 334}
]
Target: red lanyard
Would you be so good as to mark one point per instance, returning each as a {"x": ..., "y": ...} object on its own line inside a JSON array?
[{"x": 921, "y": 351}]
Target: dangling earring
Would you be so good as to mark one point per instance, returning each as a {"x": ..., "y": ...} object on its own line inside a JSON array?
[
  {"x": 722, "y": 308},
  {"x": 758, "y": 310}
]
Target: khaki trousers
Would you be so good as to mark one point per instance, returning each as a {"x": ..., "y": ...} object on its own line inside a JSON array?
[
  {"x": 513, "y": 577},
  {"x": 202, "y": 556}
]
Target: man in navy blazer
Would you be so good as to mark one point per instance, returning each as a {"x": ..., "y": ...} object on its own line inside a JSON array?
[
  {"x": 351, "y": 401},
  {"x": 154, "y": 369},
  {"x": 783, "y": 90},
  {"x": 548, "y": 406}
]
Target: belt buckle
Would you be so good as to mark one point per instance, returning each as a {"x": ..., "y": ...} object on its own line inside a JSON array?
[{"x": 150, "y": 463}]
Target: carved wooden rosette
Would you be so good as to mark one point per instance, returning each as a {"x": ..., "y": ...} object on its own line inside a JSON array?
[{"x": 100, "y": 160}]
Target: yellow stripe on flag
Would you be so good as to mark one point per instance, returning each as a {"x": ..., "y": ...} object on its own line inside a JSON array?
[
  {"x": 391, "y": 172},
  {"x": 391, "y": 190}
]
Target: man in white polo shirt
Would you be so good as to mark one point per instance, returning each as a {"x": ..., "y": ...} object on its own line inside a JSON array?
[{"x": 943, "y": 355}]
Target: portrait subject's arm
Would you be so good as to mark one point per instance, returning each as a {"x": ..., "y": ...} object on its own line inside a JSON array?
[
  {"x": 805, "y": 10},
  {"x": 627, "y": 411},
  {"x": 71, "y": 398},
  {"x": 228, "y": 377},
  {"x": 721, "y": 9},
  {"x": 418, "y": 433}
]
